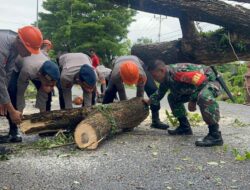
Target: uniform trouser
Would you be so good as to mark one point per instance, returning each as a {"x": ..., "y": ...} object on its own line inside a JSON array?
[
  {"x": 38, "y": 84},
  {"x": 13, "y": 96},
  {"x": 205, "y": 99},
  {"x": 61, "y": 99},
  {"x": 150, "y": 87}
]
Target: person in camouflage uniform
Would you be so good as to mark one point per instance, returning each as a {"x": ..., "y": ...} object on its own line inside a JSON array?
[{"x": 195, "y": 84}]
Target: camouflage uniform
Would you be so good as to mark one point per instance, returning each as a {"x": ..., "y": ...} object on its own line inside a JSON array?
[{"x": 183, "y": 90}]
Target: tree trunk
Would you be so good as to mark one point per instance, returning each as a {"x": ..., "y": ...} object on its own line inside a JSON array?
[
  {"x": 235, "y": 18},
  {"x": 103, "y": 119},
  {"x": 54, "y": 120},
  {"x": 109, "y": 119}
]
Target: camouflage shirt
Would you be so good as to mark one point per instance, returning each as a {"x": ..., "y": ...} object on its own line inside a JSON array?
[{"x": 183, "y": 79}]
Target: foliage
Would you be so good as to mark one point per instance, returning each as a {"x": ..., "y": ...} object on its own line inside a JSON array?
[
  {"x": 78, "y": 25},
  {"x": 58, "y": 140},
  {"x": 144, "y": 41},
  {"x": 31, "y": 92},
  {"x": 195, "y": 119},
  {"x": 233, "y": 75},
  {"x": 240, "y": 156},
  {"x": 106, "y": 109}
]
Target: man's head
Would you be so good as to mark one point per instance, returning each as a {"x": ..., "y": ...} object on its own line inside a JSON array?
[
  {"x": 92, "y": 52},
  {"x": 49, "y": 75},
  {"x": 29, "y": 41},
  {"x": 46, "y": 45},
  {"x": 87, "y": 78},
  {"x": 158, "y": 70},
  {"x": 129, "y": 72}
]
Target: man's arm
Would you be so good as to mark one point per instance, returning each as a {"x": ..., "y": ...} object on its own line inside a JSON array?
[
  {"x": 4, "y": 95},
  {"x": 22, "y": 84},
  {"x": 159, "y": 94}
]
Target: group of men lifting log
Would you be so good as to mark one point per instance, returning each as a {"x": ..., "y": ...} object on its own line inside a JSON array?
[{"x": 24, "y": 57}]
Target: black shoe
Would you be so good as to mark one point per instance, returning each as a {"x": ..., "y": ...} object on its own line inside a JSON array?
[
  {"x": 4, "y": 150},
  {"x": 156, "y": 122},
  {"x": 11, "y": 139},
  {"x": 181, "y": 131},
  {"x": 159, "y": 125},
  {"x": 15, "y": 138},
  {"x": 212, "y": 139}
]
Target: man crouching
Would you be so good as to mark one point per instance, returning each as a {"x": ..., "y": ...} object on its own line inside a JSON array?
[{"x": 195, "y": 84}]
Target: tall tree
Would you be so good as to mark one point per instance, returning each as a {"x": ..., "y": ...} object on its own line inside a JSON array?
[{"x": 78, "y": 25}]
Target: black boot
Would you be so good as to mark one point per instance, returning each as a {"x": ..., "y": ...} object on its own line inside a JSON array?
[
  {"x": 213, "y": 137},
  {"x": 156, "y": 123},
  {"x": 4, "y": 150},
  {"x": 14, "y": 136},
  {"x": 183, "y": 129}
]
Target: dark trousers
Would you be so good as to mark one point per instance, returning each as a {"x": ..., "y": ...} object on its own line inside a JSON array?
[
  {"x": 38, "y": 84},
  {"x": 13, "y": 96},
  {"x": 61, "y": 99},
  {"x": 150, "y": 87}
]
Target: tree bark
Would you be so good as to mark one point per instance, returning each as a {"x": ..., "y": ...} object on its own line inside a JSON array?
[
  {"x": 207, "y": 50},
  {"x": 102, "y": 120},
  {"x": 235, "y": 18},
  {"x": 110, "y": 120}
]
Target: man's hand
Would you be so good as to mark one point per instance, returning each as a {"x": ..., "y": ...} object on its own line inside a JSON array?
[
  {"x": 191, "y": 106},
  {"x": 3, "y": 110},
  {"x": 146, "y": 101},
  {"x": 16, "y": 116}
]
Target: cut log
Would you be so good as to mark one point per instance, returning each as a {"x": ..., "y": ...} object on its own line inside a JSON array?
[
  {"x": 54, "y": 120},
  {"x": 68, "y": 119},
  {"x": 109, "y": 119}
]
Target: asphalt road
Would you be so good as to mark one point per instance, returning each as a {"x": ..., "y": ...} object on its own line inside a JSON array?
[{"x": 143, "y": 159}]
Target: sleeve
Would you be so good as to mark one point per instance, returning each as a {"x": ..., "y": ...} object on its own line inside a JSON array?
[
  {"x": 191, "y": 77},
  {"x": 140, "y": 85},
  {"x": 4, "y": 95},
  {"x": 159, "y": 94},
  {"x": 22, "y": 84},
  {"x": 41, "y": 100}
]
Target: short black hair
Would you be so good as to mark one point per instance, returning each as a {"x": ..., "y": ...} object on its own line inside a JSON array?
[{"x": 155, "y": 64}]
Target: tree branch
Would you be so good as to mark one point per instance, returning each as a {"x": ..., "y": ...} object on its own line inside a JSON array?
[{"x": 235, "y": 18}]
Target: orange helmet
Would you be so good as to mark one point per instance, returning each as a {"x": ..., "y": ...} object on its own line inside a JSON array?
[
  {"x": 129, "y": 72},
  {"x": 47, "y": 42},
  {"x": 31, "y": 38}
]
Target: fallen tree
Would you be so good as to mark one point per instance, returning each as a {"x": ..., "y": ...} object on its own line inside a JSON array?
[
  {"x": 90, "y": 125},
  {"x": 229, "y": 44}
]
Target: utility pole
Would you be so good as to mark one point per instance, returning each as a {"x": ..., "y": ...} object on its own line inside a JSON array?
[
  {"x": 159, "y": 32},
  {"x": 37, "y": 2}
]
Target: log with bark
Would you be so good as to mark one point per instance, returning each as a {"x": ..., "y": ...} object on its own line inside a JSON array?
[
  {"x": 90, "y": 125},
  {"x": 227, "y": 45}
]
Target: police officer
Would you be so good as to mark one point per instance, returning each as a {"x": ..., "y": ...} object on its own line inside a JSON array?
[
  {"x": 27, "y": 42},
  {"x": 76, "y": 68},
  {"x": 194, "y": 84},
  {"x": 131, "y": 70}
]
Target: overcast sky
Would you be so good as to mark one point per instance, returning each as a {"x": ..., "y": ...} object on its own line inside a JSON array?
[{"x": 17, "y": 13}]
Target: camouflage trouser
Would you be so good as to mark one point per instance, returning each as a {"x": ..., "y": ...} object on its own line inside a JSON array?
[{"x": 205, "y": 99}]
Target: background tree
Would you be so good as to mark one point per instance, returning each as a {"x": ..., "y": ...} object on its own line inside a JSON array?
[
  {"x": 144, "y": 41},
  {"x": 78, "y": 25}
]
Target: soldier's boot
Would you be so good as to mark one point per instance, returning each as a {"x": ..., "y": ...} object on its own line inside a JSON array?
[
  {"x": 14, "y": 136},
  {"x": 156, "y": 122},
  {"x": 4, "y": 150},
  {"x": 183, "y": 129},
  {"x": 213, "y": 137}
]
